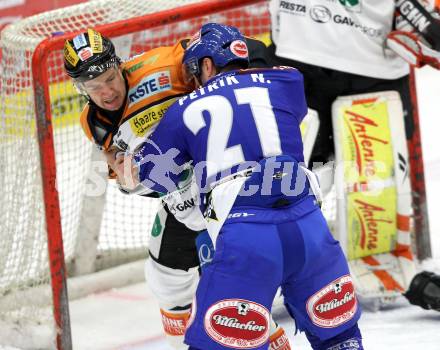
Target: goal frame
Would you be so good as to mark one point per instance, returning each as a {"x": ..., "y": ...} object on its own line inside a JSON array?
[{"x": 417, "y": 174}]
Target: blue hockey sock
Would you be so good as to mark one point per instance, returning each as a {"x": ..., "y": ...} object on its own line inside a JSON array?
[{"x": 350, "y": 339}]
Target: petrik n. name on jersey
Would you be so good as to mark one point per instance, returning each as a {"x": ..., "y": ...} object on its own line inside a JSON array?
[{"x": 235, "y": 118}]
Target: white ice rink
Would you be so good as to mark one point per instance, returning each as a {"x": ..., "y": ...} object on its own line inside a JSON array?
[{"x": 129, "y": 318}]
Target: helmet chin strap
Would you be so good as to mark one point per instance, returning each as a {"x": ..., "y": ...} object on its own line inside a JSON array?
[{"x": 198, "y": 80}]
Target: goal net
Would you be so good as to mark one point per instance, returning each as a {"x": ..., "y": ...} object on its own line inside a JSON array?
[{"x": 53, "y": 181}]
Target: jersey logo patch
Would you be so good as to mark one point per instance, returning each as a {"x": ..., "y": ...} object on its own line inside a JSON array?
[
  {"x": 143, "y": 121},
  {"x": 149, "y": 86},
  {"x": 320, "y": 14},
  {"x": 352, "y": 5},
  {"x": 237, "y": 323},
  {"x": 85, "y": 53},
  {"x": 334, "y": 304},
  {"x": 79, "y": 41},
  {"x": 186, "y": 204}
]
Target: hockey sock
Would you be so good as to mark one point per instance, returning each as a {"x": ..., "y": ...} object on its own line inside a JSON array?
[
  {"x": 350, "y": 339},
  {"x": 278, "y": 339},
  {"x": 174, "y": 324}
]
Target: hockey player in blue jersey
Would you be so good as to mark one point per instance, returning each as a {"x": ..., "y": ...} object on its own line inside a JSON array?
[{"x": 240, "y": 131}]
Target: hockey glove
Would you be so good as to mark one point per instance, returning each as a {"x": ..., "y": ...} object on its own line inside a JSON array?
[
  {"x": 413, "y": 49},
  {"x": 424, "y": 291}
]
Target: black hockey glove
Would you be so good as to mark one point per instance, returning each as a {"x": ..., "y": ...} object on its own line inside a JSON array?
[{"x": 424, "y": 291}]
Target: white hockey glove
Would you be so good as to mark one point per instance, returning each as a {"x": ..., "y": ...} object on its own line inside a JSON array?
[{"x": 413, "y": 49}]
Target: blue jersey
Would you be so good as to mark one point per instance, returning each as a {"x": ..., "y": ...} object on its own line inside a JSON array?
[
  {"x": 236, "y": 118},
  {"x": 262, "y": 242}
]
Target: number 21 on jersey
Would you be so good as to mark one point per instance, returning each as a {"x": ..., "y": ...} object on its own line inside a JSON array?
[{"x": 219, "y": 157}]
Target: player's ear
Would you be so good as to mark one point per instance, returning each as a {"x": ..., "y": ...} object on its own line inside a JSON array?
[{"x": 208, "y": 68}]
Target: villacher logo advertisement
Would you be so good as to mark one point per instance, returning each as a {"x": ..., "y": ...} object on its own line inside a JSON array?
[
  {"x": 238, "y": 323},
  {"x": 334, "y": 304}
]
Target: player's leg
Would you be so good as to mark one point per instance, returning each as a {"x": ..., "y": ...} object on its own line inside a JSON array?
[
  {"x": 360, "y": 85},
  {"x": 319, "y": 292},
  {"x": 172, "y": 274},
  {"x": 277, "y": 336},
  {"x": 174, "y": 290},
  {"x": 236, "y": 290},
  {"x": 348, "y": 339}
]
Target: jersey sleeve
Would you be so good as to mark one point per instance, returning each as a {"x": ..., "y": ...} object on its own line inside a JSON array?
[
  {"x": 96, "y": 127},
  {"x": 292, "y": 92},
  {"x": 163, "y": 157}
]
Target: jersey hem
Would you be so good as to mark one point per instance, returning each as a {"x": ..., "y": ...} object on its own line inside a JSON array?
[{"x": 359, "y": 68}]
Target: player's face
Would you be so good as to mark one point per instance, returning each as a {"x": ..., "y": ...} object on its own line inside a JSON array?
[{"x": 107, "y": 90}]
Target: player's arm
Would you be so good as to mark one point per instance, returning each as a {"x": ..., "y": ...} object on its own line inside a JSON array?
[
  {"x": 417, "y": 35},
  {"x": 100, "y": 133},
  {"x": 161, "y": 160}
]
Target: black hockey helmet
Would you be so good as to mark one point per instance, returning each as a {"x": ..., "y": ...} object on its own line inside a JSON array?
[{"x": 88, "y": 55}]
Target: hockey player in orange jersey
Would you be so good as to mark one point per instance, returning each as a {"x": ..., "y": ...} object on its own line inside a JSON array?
[{"x": 129, "y": 98}]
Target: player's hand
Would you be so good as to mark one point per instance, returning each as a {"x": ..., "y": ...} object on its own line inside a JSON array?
[
  {"x": 413, "y": 49},
  {"x": 110, "y": 157},
  {"x": 123, "y": 166}
]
